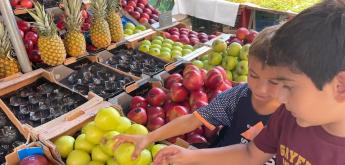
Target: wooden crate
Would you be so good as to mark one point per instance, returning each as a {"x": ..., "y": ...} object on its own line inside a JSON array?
[{"x": 29, "y": 78}]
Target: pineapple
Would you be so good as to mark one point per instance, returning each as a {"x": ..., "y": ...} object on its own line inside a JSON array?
[
  {"x": 50, "y": 45},
  {"x": 74, "y": 41},
  {"x": 8, "y": 65},
  {"x": 99, "y": 32},
  {"x": 114, "y": 20}
]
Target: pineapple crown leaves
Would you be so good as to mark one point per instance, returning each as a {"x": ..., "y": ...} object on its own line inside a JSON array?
[
  {"x": 73, "y": 19},
  {"x": 44, "y": 22},
  {"x": 99, "y": 8},
  {"x": 5, "y": 44},
  {"x": 113, "y": 5}
]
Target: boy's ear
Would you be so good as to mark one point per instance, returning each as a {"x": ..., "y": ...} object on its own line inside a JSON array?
[{"x": 339, "y": 86}]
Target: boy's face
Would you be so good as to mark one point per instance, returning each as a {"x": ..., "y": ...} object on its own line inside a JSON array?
[
  {"x": 261, "y": 81},
  {"x": 309, "y": 105}
]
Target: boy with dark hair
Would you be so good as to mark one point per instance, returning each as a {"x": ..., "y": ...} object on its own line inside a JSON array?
[{"x": 309, "y": 55}]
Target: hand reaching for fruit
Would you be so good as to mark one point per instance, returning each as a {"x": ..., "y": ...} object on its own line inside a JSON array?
[
  {"x": 140, "y": 142},
  {"x": 174, "y": 155}
]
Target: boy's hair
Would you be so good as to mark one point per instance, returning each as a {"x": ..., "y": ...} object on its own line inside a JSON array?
[
  {"x": 313, "y": 42},
  {"x": 261, "y": 44}
]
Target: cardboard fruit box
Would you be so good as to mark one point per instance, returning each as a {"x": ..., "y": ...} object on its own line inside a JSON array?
[
  {"x": 35, "y": 102},
  {"x": 87, "y": 75}
]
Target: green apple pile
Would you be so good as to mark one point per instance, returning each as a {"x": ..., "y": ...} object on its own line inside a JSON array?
[
  {"x": 165, "y": 48},
  {"x": 233, "y": 58},
  {"x": 94, "y": 146},
  {"x": 131, "y": 29}
]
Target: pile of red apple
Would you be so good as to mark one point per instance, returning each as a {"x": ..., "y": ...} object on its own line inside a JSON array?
[
  {"x": 243, "y": 36},
  {"x": 19, "y": 4},
  {"x": 141, "y": 10},
  {"x": 180, "y": 96},
  {"x": 187, "y": 36},
  {"x": 30, "y": 38}
]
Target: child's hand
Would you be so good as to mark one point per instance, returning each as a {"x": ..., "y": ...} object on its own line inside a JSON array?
[
  {"x": 140, "y": 142},
  {"x": 174, "y": 155}
]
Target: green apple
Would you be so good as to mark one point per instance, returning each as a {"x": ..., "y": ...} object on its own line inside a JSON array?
[
  {"x": 215, "y": 58},
  {"x": 137, "y": 129},
  {"x": 78, "y": 157},
  {"x": 178, "y": 48},
  {"x": 123, "y": 154},
  {"x": 64, "y": 145},
  {"x": 234, "y": 49},
  {"x": 198, "y": 63},
  {"x": 186, "y": 51},
  {"x": 144, "y": 158},
  {"x": 167, "y": 45},
  {"x": 175, "y": 53},
  {"x": 95, "y": 163},
  {"x": 244, "y": 52},
  {"x": 157, "y": 41},
  {"x": 106, "y": 118},
  {"x": 242, "y": 67},
  {"x": 176, "y": 57},
  {"x": 241, "y": 78},
  {"x": 156, "y": 148},
  {"x": 130, "y": 26},
  {"x": 112, "y": 161},
  {"x": 234, "y": 75},
  {"x": 144, "y": 48},
  {"x": 219, "y": 45},
  {"x": 87, "y": 126},
  {"x": 128, "y": 31},
  {"x": 123, "y": 124},
  {"x": 145, "y": 42},
  {"x": 229, "y": 62},
  {"x": 154, "y": 51},
  {"x": 165, "y": 55},
  {"x": 229, "y": 75},
  {"x": 158, "y": 38},
  {"x": 98, "y": 155},
  {"x": 93, "y": 134},
  {"x": 165, "y": 49},
  {"x": 179, "y": 44},
  {"x": 204, "y": 57},
  {"x": 82, "y": 144},
  {"x": 141, "y": 27},
  {"x": 155, "y": 46},
  {"x": 108, "y": 143},
  {"x": 169, "y": 41},
  {"x": 136, "y": 31},
  {"x": 188, "y": 47}
]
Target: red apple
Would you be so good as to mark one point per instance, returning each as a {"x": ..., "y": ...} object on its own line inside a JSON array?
[
  {"x": 194, "y": 41},
  {"x": 124, "y": 3},
  {"x": 196, "y": 139},
  {"x": 156, "y": 97},
  {"x": 131, "y": 3},
  {"x": 178, "y": 92},
  {"x": 176, "y": 112},
  {"x": 190, "y": 68},
  {"x": 145, "y": 2},
  {"x": 197, "y": 105},
  {"x": 214, "y": 79},
  {"x": 184, "y": 33},
  {"x": 242, "y": 33},
  {"x": 155, "y": 123},
  {"x": 174, "y": 29},
  {"x": 23, "y": 26},
  {"x": 31, "y": 36},
  {"x": 183, "y": 36},
  {"x": 166, "y": 35},
  {"x": 222, "y": 70},
  {"x": 199, "y": 131},
  {"x": 147, "y": 11},
  {"x": 139, "y": 10},
  {"x": 210, "y": 37},
  {"x": 144, "y": 15},
  {"x": 150, "y": 6},
  {"x": 175, "y": 33},
  {"x": 184, "y": 29},
  {"x": 143, "y": 20},
  {"x": 173, "y": 78},
  {"x": 29, "y": 46},
  {"x": 173, "y": 139},
  {"x": 142, "y": 6},
  {"x": 186, "y": 105},
  {"x": 14, "y": 3},
  {"x": 224, "y": 86},
  {"x": 35, "y": 56},
  {"x": 138, "y": 115},
  {"x": 168, "y": 106},
  {"x": 135, "y": 14},
  {"x": 251, "y": 36},
  {"x": 138, "y": 101},
  {"x": 129, "y": 9},
  {"x": 174, "y": 37},
  {"x": 154, "y": 112},
  {"x": 211, "y": 95},
  {"x": 34, "y": 160},
  {"x": 26, "y": 4},
  {"x": 193, "y": 80},
  {"x": 197, "y": 96},
  {"x": 203, "y": 73}
]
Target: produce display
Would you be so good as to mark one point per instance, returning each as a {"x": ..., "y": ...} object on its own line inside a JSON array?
[
  {"x": 187, "y": 36},
  {"x": 135, "y": 62},
  {"x": 165, "y": 48},
  {"x": 96, "y": 78},
  {"x": 41, "y": 102},
  {"x": 295, "y": 5},
  {"x": 131, "y": 29},
  {"x": 95, "y": 143},
  {"x": 141, "y": 10},
  {"x": 10, "y": 137},
  {"x": 181, "y": 95}
]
